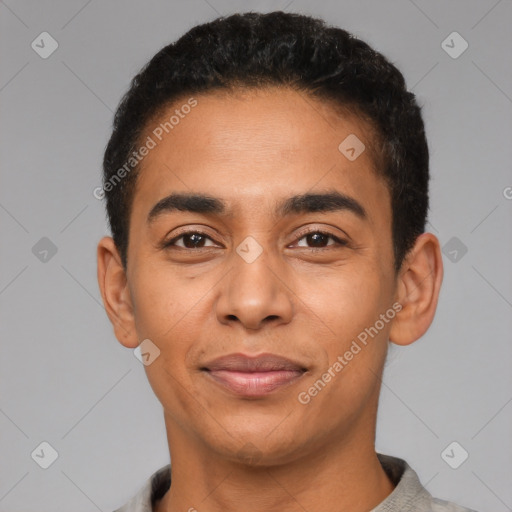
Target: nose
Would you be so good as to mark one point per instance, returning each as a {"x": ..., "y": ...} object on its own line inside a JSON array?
[{"x": 255, "y": 294}]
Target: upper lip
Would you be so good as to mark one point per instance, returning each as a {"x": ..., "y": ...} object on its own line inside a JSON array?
[{"x": 246, "y": 363}]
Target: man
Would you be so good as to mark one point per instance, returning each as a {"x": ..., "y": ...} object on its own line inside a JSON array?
[{"x": 267, "y": 190}]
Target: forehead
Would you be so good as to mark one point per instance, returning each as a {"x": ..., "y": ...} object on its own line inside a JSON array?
[{"x": 249, "y": 145}]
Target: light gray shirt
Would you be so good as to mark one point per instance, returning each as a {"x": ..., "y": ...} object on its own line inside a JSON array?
[{"x": 409, "y": 494}]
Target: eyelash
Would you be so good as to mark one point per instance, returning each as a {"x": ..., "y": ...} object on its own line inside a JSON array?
[{"x": 339, "y": 241}]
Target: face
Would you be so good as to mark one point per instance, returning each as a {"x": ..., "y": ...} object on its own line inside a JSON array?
[{"x": 286, "y": 252}]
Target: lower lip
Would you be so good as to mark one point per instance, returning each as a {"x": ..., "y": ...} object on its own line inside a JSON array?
[{"x": 254, "y": 384}]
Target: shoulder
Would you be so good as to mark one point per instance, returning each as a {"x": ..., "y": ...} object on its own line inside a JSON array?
[
  {"x": 447, "y": 506},
  {"x": 153, "y": 489},
  {"x": 409, "y": 494}
]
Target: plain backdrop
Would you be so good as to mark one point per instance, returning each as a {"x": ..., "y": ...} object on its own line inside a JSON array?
[{"x": 64, "y": 378}]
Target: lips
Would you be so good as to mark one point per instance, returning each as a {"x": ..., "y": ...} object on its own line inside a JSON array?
[{"x": 253, "y": 376}]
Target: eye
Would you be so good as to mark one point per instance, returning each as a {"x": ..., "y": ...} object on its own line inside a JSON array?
[
  {"x": 190, "y": 240},
  {"x": 320, "y": 239},
  {"x": 314, "y": 239}
]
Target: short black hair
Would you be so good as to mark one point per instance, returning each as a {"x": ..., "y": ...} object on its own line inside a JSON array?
[{"x": 279, "y": 49}]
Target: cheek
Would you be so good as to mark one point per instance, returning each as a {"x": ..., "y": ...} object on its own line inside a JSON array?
[
  {"x": 346, "y": 302},
  {"x": 350, "y": 305},
  {"x": 355, "y": 348},
  {"x": 164, "y": 304},
  {"x": 168, "y": 310}
]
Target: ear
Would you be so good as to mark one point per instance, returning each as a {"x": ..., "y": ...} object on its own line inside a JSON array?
[
  {"x": 419, "y": 283},
  {"x": 115, "y": 292}
]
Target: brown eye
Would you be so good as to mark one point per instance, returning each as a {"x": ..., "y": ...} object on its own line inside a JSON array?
[
  {"x": 190, "y": 240},
  {"x": 320, "y": 239}
]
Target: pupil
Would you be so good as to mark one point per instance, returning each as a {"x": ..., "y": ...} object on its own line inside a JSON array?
[
  {"x": 315, "y": 237},
  {"x": 194, "y": 240}
]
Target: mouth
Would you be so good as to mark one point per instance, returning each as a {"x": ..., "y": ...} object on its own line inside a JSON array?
[{"x": 253, "y": 377}]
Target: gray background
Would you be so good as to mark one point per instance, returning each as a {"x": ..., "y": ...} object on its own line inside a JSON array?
[{"x": 64, "y": 377}]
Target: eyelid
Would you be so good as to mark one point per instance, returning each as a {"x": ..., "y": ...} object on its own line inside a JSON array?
[{"x": 310, "y": 230}]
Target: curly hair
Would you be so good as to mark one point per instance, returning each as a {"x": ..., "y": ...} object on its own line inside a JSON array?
[{"x": 280, "y": 49}]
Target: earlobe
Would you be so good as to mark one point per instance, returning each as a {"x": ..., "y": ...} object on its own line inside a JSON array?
[
  {"x": 419, "y": 284},
  {"x": 115, "y": 293}
]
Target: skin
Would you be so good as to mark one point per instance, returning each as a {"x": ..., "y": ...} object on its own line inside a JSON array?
[{"x": 302, "y": 298}]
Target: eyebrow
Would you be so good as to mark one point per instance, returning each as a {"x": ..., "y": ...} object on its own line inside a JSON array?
[{"x": 304, "y": 203}]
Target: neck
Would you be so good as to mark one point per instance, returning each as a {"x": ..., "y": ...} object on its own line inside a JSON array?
[{"x": 344, "y": 475}]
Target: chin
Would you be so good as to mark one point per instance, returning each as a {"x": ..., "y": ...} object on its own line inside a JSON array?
[{"x": 257, "y": 449}]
